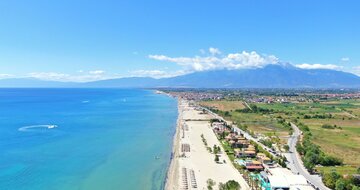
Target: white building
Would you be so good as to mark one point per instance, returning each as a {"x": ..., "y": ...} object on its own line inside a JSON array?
[{"x": 284, "y": 179}]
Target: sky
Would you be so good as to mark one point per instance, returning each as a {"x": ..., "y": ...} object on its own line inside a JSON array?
[{"x": 85, "y": 40}]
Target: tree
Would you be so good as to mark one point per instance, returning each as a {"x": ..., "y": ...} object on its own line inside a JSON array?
[
  {"x": 330, "y": 161},
  {"x": 287, "y": 148},
  {"x": 227, "y": 114},
  {"x": 216, "y": 149},
  {"x": 230, "y": 185},
  {"x": 310, "y": 159},
  {"x": 217, "y": 158},
  {"x": 340, "y": 184},
  {"x": 330, "y": 179},
  {"x": 210, "y": 184}
]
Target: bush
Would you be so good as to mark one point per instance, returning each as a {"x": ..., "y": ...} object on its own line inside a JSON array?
[
  {"x": 327, "y": 126},
  {"x": 330, "y": 179},
  {"x": 330, "y": 161},
  {"x": 210, "y": 183},
  {"x": 286, "y": 148},
  {"x": 230, "y": 185},
  {"x": 216, "y": 158},
  {"x": 266, "y": 142},
  {"x": 340, "y": 184}
]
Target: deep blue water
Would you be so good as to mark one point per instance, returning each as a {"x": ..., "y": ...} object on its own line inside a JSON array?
[{"x": 67, "y": 139}]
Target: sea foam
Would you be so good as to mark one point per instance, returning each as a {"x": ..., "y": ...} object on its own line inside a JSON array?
[{"x": 37, "y": 127}]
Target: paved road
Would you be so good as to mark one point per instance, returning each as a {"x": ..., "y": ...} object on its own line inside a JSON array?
[{"x": 295, "y": 162}]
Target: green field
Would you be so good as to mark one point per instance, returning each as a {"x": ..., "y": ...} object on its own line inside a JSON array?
[
  {"x": 256, "y": 123},
  {"x": 343, "y": 143},
  {"x": 339, "y": 169},
  {"x": 223, "y": 105}
]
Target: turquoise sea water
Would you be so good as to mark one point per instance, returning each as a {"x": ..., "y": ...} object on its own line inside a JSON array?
[{"x": 103, "y": 139}]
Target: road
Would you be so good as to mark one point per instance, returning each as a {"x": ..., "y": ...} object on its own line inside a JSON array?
[{"x": 295, "y": 163}]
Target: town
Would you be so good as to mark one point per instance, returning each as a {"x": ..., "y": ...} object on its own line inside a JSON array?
[{"x": 264, "y": 134}]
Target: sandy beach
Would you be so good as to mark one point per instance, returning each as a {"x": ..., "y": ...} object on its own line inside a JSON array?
[{"x": 192, "y": 164}]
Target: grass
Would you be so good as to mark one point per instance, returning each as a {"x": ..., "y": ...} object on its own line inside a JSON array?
[
  {"x": 342, "y": 143},
  {"x": 342, "y": 170},
  {"x": 256, "y": 122},
  {"x": 223, "y": 105}
]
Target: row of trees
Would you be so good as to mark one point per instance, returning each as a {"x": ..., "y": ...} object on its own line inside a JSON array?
[
  {"x": 318, "y": 116},
  {"x": 328, "y": 126},
  {"x": 229, "y": 185},
  {"x": 312, "y": 155},
  {"x": 255, "y": 109},
  {"x": 335, "y": 181}
]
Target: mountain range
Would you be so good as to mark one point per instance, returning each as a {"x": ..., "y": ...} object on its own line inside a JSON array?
[{"x": 270, "y": 76}]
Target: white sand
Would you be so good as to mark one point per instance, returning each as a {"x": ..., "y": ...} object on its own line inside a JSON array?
[{"x": 199, "y": 158}]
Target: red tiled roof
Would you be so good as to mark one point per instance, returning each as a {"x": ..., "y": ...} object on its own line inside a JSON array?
[{"x": 254, "y": 167}]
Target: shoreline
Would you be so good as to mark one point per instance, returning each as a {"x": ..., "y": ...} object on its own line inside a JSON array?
[
  {"x": 191, "y": 164},
  {"x": 173, "y": 168}
]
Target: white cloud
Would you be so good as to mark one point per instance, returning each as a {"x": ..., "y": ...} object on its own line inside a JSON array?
[
  {"x": 53, "y": 76},
  {"x": 214, "y": 51},
  {"x": 3, "y": 76},
  {"x": 345, "y": 59},
  {"x": 216, "y": 61},
  {"x": 318, "y": 66},
  {"x": 156, "y": 73},
  {"x": 97, "y": 72},
  {"x": 356, "y": 70},
  {"x": 48, "y": 75}
]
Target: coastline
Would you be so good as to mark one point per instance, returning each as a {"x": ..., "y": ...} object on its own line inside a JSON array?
[
  {"x": 173, "y": 169},
  {"x": 191, "y": 162}
]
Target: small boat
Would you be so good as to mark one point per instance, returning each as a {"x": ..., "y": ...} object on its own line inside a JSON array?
[
  {"x": 51, "y": 126},
  {"x": 157, "y": 157}
]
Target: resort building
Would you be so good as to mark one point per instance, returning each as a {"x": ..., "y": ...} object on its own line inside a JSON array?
[
  {"x": 263, "y": 158},
  {"x": 247, "y": 152},
  {"x": 253, "y": 165},
  {"x": 282, "y": 178},
  {"x": 242, "y": 144}
]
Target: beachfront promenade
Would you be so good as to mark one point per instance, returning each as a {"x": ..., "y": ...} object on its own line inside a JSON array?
[{"x": 193, "y": 164}]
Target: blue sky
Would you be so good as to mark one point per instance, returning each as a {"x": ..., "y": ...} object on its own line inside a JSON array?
[{"x": 89, "y": 40}]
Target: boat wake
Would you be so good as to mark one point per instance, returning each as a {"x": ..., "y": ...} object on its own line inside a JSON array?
[{"x": 37, "y": 127}]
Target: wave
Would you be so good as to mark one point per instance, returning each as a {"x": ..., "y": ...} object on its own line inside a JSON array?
[{"x": 37, "y": 127}]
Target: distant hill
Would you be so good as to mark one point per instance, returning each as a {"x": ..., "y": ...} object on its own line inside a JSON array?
[
  {"x": 33, "y": 83},
  {"x": 270, "y": 76}
]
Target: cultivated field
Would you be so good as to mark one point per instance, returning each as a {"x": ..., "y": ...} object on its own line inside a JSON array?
[
  {"x": 342, "y": 142},
  {"x": 223, "y": 105},
  {"x": 256, "y": 123}
]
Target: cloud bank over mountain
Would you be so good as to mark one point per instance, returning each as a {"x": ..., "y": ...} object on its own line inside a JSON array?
[
  {"x": 215, "y": 60},
  {"x": 212, "y": 59}
]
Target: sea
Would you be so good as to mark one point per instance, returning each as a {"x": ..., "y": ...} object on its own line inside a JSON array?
[{"x": 85, "y": 139}]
